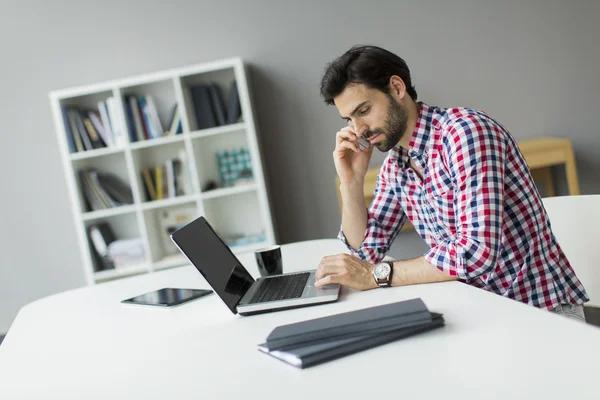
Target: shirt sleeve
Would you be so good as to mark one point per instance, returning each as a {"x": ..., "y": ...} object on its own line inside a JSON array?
[
  {"x": 475, "y": 150},
  {"x": 385, "y": 219}
]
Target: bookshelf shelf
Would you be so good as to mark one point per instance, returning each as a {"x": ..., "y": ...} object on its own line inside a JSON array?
[
  {"x": 228, "y": 191},
  {"x": 121, "y": 272},
  {"x": 157, "y": 142},
  {"x": 146, "y": 140},
  {"x": 218, "y": 130},
  {"x": 151, "y": 205},
  {"x": 99, "y": 214},
  {"x": 95, "y": 153}
]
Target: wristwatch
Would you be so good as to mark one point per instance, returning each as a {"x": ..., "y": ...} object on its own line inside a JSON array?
[{"x": 383, "y": 273}]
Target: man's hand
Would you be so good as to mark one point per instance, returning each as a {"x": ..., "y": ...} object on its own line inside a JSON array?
[
  {"x": 346, "y": 270},
  {"x": 351, "y": 163}
]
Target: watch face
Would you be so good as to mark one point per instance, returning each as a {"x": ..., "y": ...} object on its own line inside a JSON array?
[{"x": 381, "y": 271}]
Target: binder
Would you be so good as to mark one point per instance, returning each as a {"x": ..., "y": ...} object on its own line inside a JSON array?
[
  {"x": 397, "y": 315},
  {"x": 203, "y": 109},
  {"x": 315, "y": 341},
  {"x": 318, "y": 353},
  {"x": 217, "y": 104},
  {"x": 234, "y": 110}
]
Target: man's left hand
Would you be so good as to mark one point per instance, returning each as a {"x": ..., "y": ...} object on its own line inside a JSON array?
[{"x": 346, "y": 270}]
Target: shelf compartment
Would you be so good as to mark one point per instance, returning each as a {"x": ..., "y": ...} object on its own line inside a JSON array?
[
  {"x": 110, "y": 164},
  {"x": 121, "y": 227},
  {"x": 149, "y": 158},
  {"x": 95, "y": 125},
  {"x": 161, "y": 222},
  {"x": 205, "y": 152},
  {"x": 237, "y": 219},
  {"x": 149, "y": 114},
  {"x": 199, "y": 99}
]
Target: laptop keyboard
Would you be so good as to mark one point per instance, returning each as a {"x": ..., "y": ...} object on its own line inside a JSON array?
[{"x": 281, "y": 288}]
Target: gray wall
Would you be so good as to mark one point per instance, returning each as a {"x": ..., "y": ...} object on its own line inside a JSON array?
[{"x": 533, "y": 65}]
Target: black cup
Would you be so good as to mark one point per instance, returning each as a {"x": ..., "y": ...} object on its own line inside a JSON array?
[{"x": 269, "y": 261}]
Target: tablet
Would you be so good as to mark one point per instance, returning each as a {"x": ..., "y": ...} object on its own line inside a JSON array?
[{"x": 167, "y": 297}]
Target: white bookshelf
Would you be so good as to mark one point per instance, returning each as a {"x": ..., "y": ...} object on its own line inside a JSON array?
[{"x": 237, "y": 211}]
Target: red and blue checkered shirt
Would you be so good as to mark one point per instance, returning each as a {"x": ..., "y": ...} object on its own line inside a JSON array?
[{"x": 477, "y": 208}]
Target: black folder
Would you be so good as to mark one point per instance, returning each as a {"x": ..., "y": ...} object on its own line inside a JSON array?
[
  {"x": 305, "y": 356},
  {"x": 312, "y": 342},
  {"x": 397, "y": 315}
]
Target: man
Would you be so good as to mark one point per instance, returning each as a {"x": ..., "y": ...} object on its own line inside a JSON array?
[{"x": 456, "y": 174}]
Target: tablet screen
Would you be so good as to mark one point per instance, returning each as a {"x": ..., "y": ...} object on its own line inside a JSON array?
[{"x": 168, "y": 297}]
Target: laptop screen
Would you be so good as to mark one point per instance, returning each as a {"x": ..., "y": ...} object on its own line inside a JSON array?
[{"x": 214, "y": 260}]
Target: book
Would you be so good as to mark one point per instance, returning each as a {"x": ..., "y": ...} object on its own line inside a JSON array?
[
  {"x": 137, "y": 121},
  {"x": 174, "y": 124},
  {"x": 159, "y": 182},
  {"x": 68, "y": 130},
  {"x": 234, "y": 110},
  {"x": 170, "y": 175},
  {"x": 117, "y": 189},
  {"x": 317, "y": 353},
  {"x": 149, "y": 184},
  {"x": 149, "y": 129},
  {"x": 87, "y": 143},
  {"x": 154, "y": 119},
  {"x": 97, "y": 122},
  {"x": 177, "y": 167},
  {"x": 95, "y": 138},
  {"x": 117, "y": 122},
  {"x": 107, "y": 201},
  {"x": 217, "y": 104},
  {"x": 205, "y": 117},
  {"x": 106, "y": 123},
  {"x": 76, "y": 135},
  {"x": 184, "y": 179},
  {"x": 101, "y": 236},
  {"x": 130, "y": 122}
]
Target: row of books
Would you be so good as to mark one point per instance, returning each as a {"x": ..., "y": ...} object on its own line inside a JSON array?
[
  {"x": 209, "y": 108},
  {"x": 143, "y": 121},
  {"x": 102, "y": 191},
  {"x": 93, "y": 129},
  {"x": 166, "y": 180}
]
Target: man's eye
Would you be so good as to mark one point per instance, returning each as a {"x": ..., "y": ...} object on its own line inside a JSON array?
[{"x": 363, "y": 112}]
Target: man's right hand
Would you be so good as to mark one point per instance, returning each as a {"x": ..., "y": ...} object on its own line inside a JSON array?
[{"x": 351, "y": 163}]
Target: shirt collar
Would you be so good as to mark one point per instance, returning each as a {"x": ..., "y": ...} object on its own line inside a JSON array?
[{"x": 420, "y": 140}]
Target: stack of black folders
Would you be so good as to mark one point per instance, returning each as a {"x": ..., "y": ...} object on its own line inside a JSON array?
[{"x": 308, "y": 343}]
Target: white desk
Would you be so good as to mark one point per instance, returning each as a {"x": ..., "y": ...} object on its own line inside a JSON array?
[{"x": 83, "y": 344}]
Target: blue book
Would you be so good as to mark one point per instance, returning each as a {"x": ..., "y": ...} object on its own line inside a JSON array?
[
  {"x": 70, "y": 138},
  {"x": 130, "y": 122},
  {"x": 146, "y": 116}
]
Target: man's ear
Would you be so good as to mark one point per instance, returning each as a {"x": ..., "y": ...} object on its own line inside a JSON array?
[{"x": 397, "y": 87}]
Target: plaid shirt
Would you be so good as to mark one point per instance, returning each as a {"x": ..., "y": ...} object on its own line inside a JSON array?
[{"x": 477, "y": 208}]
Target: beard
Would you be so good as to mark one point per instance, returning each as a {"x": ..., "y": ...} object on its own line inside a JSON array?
[{"x": 394, "y": 126}]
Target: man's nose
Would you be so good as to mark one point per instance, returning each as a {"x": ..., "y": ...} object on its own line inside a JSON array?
[{"x": 359, "y": 128}]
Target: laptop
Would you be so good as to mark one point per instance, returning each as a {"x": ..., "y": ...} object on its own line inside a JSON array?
[{"x": 235, "y": 286}]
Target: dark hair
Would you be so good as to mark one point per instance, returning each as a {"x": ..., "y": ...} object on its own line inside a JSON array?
[{"x": 369, "y": 65}]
